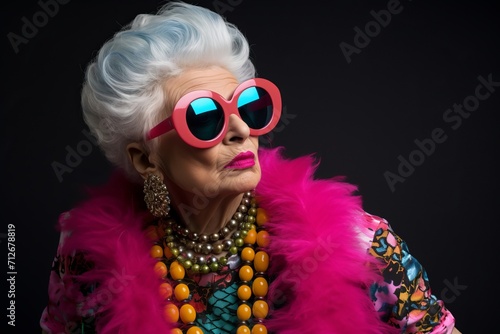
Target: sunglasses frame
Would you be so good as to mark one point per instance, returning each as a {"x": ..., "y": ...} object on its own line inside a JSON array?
[{"x": 178, "y": 121}]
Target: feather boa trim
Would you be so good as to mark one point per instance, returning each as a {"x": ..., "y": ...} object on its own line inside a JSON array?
[
  {"x": 321, "y": 274},
  {"x": 108, "y": 230},
  {"x": 321, "y": 271}
]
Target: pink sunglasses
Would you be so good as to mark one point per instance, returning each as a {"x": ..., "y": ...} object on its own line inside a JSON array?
[{"x": 201, "y": 117}]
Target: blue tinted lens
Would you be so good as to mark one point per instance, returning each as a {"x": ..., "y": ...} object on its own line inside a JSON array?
[
  {"x": 205, "y": 118},
  {"x": 255, "y": 107}
]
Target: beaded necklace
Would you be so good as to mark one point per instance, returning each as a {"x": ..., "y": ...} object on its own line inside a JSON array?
[{"x": 181, "y": 252}]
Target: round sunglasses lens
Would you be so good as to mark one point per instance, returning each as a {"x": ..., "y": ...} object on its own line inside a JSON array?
[
  {"x": 255, "y": 107},
  {"x": 205, "y": 118}
]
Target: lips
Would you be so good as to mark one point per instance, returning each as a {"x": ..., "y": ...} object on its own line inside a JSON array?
[{"x": 242, "y": 161}]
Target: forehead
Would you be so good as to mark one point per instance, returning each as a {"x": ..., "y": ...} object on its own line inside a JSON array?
[{"x": 216, "y": 79}]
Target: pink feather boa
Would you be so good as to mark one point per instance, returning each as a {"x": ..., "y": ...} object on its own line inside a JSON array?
[{"x": 321, "y": 273}]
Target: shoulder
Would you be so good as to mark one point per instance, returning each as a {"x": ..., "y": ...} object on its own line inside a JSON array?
[
  {"x": 383, "y": 242},
  {"x": 369, "y": 225}
]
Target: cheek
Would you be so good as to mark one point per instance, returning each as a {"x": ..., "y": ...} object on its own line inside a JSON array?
[
  {"x": 186, "y": 166},
  {"x": 254, "y": 141},
  {"x": 257, "y": 171}
]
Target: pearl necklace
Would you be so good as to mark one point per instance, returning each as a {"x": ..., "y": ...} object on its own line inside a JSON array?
[{"x": 185, "y": 251}]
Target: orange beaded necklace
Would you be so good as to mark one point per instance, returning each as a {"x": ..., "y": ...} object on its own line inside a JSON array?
[{"x": 180, "y": 253}]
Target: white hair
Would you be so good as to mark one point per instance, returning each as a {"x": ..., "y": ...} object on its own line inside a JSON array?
[{"x": 123, "y": 95}]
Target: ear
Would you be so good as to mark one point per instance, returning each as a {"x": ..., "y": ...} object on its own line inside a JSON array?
[{"x": 139, "y": 158}]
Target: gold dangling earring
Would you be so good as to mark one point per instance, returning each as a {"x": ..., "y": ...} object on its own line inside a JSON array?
[{"x": 156, "y": 196}]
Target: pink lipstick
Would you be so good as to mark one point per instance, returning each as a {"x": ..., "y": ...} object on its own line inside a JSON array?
[{"x": 242, "y": 161}]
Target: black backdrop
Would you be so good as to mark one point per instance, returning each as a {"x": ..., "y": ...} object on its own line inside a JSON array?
[{"x": 376, "y": 99}]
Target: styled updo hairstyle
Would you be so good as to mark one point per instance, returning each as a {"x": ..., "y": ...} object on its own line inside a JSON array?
[{"x": 123, "y": 97}]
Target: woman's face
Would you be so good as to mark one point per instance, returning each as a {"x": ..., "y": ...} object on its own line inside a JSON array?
[{"x": 208, "y": 172}]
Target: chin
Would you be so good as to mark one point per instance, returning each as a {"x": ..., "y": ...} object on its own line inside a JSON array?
[
  {"x": 247, "y": 181},
  {"x": 252, "y": 185}
]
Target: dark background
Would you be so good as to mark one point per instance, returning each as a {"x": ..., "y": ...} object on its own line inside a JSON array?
[{"x": 358, "y": 118}]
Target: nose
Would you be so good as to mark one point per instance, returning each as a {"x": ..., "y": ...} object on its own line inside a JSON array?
[{"x": 237, "y": 131}]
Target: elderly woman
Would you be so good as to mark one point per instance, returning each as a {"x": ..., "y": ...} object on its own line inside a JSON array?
[{"x": 199, "y": 230}]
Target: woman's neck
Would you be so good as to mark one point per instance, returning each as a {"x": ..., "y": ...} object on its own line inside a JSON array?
[{"x": 205, "y": 215}]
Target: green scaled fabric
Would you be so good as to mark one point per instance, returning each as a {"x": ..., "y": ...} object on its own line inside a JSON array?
[{"x": 223, "y": 305}]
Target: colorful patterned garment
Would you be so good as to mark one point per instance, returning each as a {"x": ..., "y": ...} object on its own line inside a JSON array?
[{"x": 404, "y": 299}]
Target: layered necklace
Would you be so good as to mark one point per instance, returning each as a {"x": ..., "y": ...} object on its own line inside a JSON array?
[{"x": 181, "y": 253}]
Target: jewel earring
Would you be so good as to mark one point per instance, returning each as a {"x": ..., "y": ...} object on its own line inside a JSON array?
[{"x": 156, "y": 196}]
